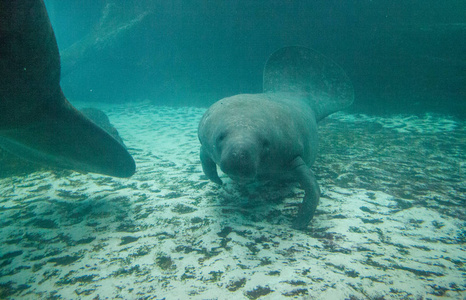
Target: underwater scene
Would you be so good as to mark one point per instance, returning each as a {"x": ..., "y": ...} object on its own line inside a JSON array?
[{"x": 232, "y": 149}]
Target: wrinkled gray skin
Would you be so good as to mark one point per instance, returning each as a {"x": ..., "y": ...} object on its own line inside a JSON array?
[
  {"x": 36, "y": 121},
  {"x": 273, "y": 135}
]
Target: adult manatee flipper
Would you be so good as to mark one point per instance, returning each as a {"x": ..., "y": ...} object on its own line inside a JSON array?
[
  {"x": 209, "y": 167},
  {"x": 36, "y": 120},
  {"x": 309, "y": 184}
]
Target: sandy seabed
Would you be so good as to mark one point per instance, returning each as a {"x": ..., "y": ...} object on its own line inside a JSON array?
[{"x": 390, "y": 224}]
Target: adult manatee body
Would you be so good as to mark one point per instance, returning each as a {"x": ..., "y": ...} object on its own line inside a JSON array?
[{"x": 273, "y": 135}]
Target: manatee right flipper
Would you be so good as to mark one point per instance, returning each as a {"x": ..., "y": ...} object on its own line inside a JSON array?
[
  {"x": 209, "y": 167},
  {"x": 36, "y": 120},
  {"x": 311, "y": 189}
]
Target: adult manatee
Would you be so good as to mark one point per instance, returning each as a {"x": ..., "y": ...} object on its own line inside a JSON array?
[
  {"x": 36, "y": 120},
  {"x": 273, "y": 135}
]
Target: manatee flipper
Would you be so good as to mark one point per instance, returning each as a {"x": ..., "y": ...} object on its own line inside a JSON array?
[
  {"x": 36, "y": 120},
  {"x": 311, "y": 189},
  {"x": 303, "y": 71},
  {"x": 209, "y": 167}
]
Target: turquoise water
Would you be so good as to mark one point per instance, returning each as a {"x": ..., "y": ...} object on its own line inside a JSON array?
[
  {"x": 391, "y": 168},
  {"x": 401, "y": 57}
]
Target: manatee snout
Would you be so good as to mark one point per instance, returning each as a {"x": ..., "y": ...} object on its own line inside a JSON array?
[{"x": 240, "y": 160}]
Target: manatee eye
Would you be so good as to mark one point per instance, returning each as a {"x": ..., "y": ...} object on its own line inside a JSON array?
[
  {"x": 266, "y": 144},
  {"x": 265, "y": 149},
  {"x": 221, "y": 137}
]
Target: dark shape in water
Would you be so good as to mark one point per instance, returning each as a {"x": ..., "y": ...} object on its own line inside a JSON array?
[
  {"x": 114, "y": 24},
  {"x": 36, "y": 120}
]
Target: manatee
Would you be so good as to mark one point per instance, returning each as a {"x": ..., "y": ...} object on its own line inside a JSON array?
[
  {"x": 273, "y": 135},
  {"x": 36, "y": 120}
]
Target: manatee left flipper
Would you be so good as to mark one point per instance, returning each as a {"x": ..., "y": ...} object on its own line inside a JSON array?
[
  {"x": 209, "y": 167},
  {"x": 311, "y": 193}
]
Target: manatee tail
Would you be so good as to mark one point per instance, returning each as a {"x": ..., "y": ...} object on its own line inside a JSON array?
[
  {"x": 63, "y": 137},
  {"x": 36, "y": 120},
  {"x": 304, "y": 71}
]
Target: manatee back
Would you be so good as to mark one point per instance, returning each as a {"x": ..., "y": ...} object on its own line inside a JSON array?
[{"x": 302, "y": 70}]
